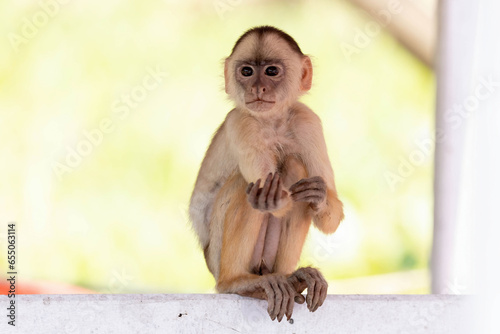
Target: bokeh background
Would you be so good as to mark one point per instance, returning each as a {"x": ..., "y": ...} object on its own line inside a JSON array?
[{"x": 107, "y": 108}]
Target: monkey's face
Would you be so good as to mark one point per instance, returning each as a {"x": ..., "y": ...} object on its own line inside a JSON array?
[
  {"x": 260, "y": 83},
  {"x": 264, "y": 75}
]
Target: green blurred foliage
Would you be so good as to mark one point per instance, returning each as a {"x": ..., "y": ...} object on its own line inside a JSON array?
[{"x": 123, "y": 209}]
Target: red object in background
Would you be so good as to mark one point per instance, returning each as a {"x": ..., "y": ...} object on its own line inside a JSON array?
[{"x": 41, "y": 288}]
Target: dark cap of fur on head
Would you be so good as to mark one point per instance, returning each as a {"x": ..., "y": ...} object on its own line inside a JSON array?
[{"x": 264, "y": 30}]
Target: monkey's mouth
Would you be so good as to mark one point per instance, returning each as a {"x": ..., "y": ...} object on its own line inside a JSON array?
[{"x": 259, "y": 100}]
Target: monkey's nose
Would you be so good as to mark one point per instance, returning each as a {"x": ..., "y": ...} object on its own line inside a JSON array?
[{"x": 260, "y": 90}]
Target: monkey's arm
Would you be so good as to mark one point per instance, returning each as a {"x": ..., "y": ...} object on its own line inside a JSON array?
[
  {"x": 320, "y": 188},
  {"x": 215, "y": 168},
  {"x": 254, "y": 156},
  {"x": 256, "y": 162}
]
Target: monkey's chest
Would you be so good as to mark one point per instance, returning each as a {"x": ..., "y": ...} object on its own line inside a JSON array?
[
  {"x": 280, "y": 146},
  {"x": 277, "y": 137}
]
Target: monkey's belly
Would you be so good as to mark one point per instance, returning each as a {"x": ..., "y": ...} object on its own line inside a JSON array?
[{"x": 266, "y": 247}]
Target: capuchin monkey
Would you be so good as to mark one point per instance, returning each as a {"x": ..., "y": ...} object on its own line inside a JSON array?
[{"x": 265, "y": 176}]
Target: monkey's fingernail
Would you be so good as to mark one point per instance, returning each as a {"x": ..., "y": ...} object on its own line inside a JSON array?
[{"x": 300, "y": 299}]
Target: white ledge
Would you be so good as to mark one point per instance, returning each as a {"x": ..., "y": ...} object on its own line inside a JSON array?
[{"x": 198, "y": 313}]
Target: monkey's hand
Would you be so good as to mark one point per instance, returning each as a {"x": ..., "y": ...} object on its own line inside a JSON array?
[
  {"x": 271, "y": 197},
  {"x": 312, "y": 190},
  {"x": 315, "y": 283}
]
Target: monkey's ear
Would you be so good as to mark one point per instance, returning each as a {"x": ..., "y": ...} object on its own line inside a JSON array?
[
  {"x": 307, "y": 74},
  {"x": 226, "y": 76}
]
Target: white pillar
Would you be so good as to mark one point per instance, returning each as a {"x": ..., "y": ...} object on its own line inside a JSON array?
[
  {"x": 466, "y": 251},
  {"x": 455, "y": 58}
]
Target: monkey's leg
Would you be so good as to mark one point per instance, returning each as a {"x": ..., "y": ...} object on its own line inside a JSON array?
[
  {"x": 292, "y": 240},
  {"x": 242, "y": 226},
  {"x": 295, "y": 224},
  {"x": 293, "y": 234}
]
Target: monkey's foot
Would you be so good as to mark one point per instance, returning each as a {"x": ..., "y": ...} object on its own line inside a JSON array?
[
  {"x": 279, "y": 293},
  {"x": 316, "y": 285}
]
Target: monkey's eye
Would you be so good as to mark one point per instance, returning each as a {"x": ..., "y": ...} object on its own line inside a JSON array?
[
  {"x": 246, "y": 71},
  {"x": 272, "y": 71}
]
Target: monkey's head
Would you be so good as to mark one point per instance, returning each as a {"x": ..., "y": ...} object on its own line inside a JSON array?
[{"x": 266, "y": 71}]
